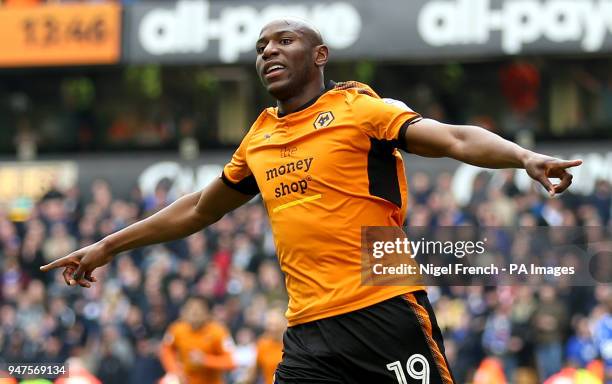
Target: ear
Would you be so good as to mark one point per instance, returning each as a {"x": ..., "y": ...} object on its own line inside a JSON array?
[{"x": 321, "y": 54}]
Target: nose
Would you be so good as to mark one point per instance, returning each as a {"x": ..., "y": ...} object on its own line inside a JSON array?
[{"x": 269, "y": 50}]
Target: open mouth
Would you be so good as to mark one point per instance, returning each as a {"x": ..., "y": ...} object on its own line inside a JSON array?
[{"x": 274, "y": 71}]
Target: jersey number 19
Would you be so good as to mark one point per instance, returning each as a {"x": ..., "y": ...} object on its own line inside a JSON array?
[{"x": 419, "y": 374}]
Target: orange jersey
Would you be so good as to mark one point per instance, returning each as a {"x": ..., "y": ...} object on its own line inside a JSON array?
[
  {"x": 182, "y": 344},
  {"x": 269, "y": 354},
  {"x": 324, "y": 172}
]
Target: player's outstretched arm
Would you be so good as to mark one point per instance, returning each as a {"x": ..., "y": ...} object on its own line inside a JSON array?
[
  {"x": 477, "y": 146},
  {"x": 185, "y": 216}
]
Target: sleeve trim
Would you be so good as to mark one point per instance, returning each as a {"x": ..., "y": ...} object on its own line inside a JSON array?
[
  {"x": 401, "y": 138},
  {"x": 248, "y": 185}
]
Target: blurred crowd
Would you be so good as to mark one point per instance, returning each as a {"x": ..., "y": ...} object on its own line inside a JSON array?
[{"x": 115, "y": 327}]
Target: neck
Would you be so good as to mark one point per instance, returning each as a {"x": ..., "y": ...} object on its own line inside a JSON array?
[
  {"x": 195, "y": 327},
  {"x": 309, "y": 92}
]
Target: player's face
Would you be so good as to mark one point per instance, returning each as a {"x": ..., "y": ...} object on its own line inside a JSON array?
[
  {"x": 195, "y": 313},
  {"x": 284, "y": 60}
]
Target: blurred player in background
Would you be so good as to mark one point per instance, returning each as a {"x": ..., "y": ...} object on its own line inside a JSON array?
[
  {"x": 196, "y": 349},
  {"x": 326, "y": 163},
  {"x": 269, "y": 349}
]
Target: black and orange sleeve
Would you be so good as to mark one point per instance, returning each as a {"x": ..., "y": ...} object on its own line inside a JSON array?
[
  {"x": 236, "y": 174},
  {"x": 384, "y": 119}
]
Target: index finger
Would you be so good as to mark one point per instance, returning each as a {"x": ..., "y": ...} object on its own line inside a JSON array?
[
  {"x": 566, "y": 163},
  {"x": 61, "y": 262}
]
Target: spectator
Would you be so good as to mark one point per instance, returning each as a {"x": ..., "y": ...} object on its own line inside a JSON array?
[
  {"x": 549, "y": 322},
  {"x": 497, "y": 339},
  {"x": 603, "y": 334},
  {"x": 580, "y": 349}
]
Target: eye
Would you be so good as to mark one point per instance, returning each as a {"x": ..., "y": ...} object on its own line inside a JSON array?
[
  {"x": 285, "y": 41},
  {"x": 259, "y": 49}
]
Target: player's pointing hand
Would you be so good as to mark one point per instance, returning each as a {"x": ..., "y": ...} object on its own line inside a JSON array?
[
  {"x": 79, "y": 265},
  {"x": 541, "y": 168}
]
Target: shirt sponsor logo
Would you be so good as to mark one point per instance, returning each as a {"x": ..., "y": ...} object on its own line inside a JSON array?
[
  {"x": 288, "y": 168},
  {"x": 288, "y": 188}
]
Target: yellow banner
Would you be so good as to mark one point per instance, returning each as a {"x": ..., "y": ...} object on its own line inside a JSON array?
[
  {"x": 66, "y": 34},
  {"x": 34, "y": 179}
]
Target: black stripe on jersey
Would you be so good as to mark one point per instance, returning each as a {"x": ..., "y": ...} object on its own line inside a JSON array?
[
  {"x": 248, "y": 185},
  {"x": 382, "y": 171},
  {"x": 402, "y": 133}
]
